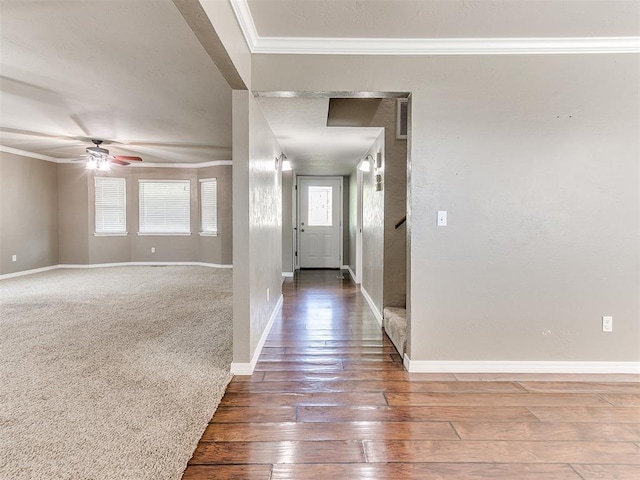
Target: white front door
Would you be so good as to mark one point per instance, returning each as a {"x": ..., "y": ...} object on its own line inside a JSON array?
[{"x": 320, "y": 230}]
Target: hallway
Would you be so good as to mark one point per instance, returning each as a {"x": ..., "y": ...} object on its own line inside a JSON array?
[{"x": 330, "y": 400}]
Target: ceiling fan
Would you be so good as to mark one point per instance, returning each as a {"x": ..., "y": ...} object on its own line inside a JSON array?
[{"x": 98, "y": 158}]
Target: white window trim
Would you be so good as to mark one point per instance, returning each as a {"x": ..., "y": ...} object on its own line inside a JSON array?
[
  {"x": 208, "y": 233},
  {"x": 123, "y": 233},
  {"x": 164, "y": 234}
]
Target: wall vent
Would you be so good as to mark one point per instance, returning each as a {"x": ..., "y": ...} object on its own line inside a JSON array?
[{"x": 402, "y": 114}]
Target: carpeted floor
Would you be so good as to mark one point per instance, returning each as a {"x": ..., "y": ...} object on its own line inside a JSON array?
[{"x": 110, "y": 373}]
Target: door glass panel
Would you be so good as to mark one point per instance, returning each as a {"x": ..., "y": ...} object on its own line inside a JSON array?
[{"x": 320, "y": 206}]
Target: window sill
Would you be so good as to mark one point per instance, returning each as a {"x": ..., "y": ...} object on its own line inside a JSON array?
[
  {"x": 163, "y": 234},
  {"x": 208, "y": 234},
  {"x": 123, "y": 234}
]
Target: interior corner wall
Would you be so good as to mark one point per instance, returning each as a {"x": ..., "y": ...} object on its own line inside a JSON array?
[
  {"x": 28, "y": 213},
  {"x": 536, "y": 160},
  {"x": 257, "y": 226}
]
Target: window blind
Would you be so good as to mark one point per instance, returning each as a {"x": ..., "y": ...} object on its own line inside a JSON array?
[
  {"x": 165, "y": 206},
  {"x": 111, "y": 206},
  {"x": 209, "y": 206}
]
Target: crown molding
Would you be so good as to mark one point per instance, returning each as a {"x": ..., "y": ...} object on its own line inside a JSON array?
[
  {"x": 214, "y": 163},
  {"x": 426, "y": 46},
  {"x": 47, "y": 158},
  {"x": 245, "y": 20},
  {"x": 447, "y": 46},
  {"x": 24, "y": 153}
]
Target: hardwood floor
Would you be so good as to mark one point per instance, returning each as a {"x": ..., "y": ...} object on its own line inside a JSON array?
[{"x": 331, "y": 400}]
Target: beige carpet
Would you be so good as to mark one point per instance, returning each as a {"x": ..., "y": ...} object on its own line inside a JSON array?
[{"x": 110, "y": 373}]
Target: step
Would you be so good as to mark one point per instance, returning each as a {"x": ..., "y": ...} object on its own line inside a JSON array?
[{"x": 395, "y": 326}]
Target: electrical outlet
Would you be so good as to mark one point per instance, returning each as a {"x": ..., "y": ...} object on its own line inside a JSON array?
[
  {"x": 153, "y": 249},
  {"x": 442, "y": 218},
  {"x": 267, "y": 294},
  {"x": 14, "y": 258},
  {"x": 607, "y": 324}
]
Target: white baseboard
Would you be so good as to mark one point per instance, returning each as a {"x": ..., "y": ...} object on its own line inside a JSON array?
[
  {"x": 372, "y": 305},
  {"x": 287, "y": 274},
  {"x": 105, "y": 265},
  {"x": 29, "y": 272},
  {"x": 344, "y": 267},
  {"x": 353, "y": 275},
  {"x": 428, "y": 366},
  {"x": 148, "y": 264},
  {"x": 239, "y": 368}
]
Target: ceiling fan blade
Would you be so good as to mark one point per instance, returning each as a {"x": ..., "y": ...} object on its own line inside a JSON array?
[
  {"x": 119, "y": 162},
  {"x": 126, "y": 158}
]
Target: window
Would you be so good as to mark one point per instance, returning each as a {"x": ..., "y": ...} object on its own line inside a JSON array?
[
  {"x": 320, "y": 212},
  {"x": 111, "y": 206},
  {"x": 165, "y": 207},
  {"x": 209, "y": 206}
]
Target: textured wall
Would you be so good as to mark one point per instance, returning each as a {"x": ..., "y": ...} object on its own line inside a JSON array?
[
  {"x": 28, "y": 213},
  {"x": 346, "y": 222},
  {"x": 353, "y": 220},
  {"x": 257, "y": 225},
  {"x": 373, "y": 232},
  {"x": 287, "y": 221},
  {"x": 265, "y": 222},
  {"x": 536, "y": 160}
]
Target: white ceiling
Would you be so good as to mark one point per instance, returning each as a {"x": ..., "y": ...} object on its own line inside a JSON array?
[
  {"x": 128, "y": 71},
  {"x": 133, "y": 72},
  {"x": 313, "y": 148}
]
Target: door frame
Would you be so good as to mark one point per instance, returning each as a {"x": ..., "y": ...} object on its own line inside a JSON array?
[{"x": 297, "y": 210}]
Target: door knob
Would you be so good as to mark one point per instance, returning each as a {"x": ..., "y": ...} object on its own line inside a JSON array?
[{"x": 302, "y": 230}]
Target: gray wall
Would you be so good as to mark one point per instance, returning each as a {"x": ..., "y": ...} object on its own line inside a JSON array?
[
  {"x": 373, "y": 231},
  {"x": 219, "y": 249},
  {"x": 28, "y": 213},
  {"x": 59, "y": 198},
  {"x": 73, "y": 214},
  {"x": 536, "y": 160},
  {"x": 287, "y": 221},
  {"x": 257, "y": 224},
  {"x": 353, "y": 220},
  {"x": 395, "y": 206},
  {"x": 346, "y": 222}
]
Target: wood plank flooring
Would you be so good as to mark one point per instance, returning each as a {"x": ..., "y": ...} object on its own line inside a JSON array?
[{"x": 331, "y": 400}]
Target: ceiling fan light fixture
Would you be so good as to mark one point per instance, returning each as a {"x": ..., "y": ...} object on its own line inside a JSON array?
[{"x": 91, "y": 164}]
